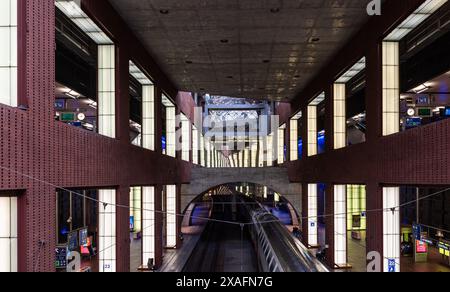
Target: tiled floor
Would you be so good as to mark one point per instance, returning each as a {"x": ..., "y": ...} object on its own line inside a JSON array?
[
  {"x": 175, "y": 259},
  {"x": 434, "y": 264},
  {"x": 357, "y": 257}
]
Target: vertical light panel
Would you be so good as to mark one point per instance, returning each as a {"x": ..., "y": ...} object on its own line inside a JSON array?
[
  {"x": 135, "y": 207},
  {"x": 106, "y": 91},
  {"x": 8, "y": 234},
  {"x": 148, "y": 224},
  {"x": 8, "y": 52},
  {"x": 280, "y": 148},
  {"x": 254, "y": 152},
  {"x": 261, "y": 150},
  {"x": 148, "y": 117},
  {"x": 391, "y": 229},
  {"x": 171, "y": 131},
  {"x": 107, "y": 231},
  {"x": 171, "y": 222},
  {"x": 208, "y": 153},
  {"x": 391, "y": 88},
  {"x": 312, "y": 130},
  {"x": 270, "y": 150},
  {"x": 202, "y": 151},
  {"x": 293, "y": 138},
  {"x": 356, "y": 207},
  {"x": 246, "y": 157},
  {"x": 185, "y": 138},
  {"x": 195, "y": 145},
  {"x": 312, "y": 215},
  {"x": 339, "y": 116},
  {"x": 340, "y": 225}
]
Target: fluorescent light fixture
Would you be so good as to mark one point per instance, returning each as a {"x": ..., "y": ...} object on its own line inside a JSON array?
[
  {"x": 421, "y": 88},
  {"x": 415, "y": 19},
  {"x": 353, "y": 71},
  {"x": 318, "y": 100},
  {"x": 167, "y": 102},
  {"x": 139, "y": 75},
  {"x": 72, "y": 9},
  {"x": 297, "y": 116},
  {"x": 72, "y": 94}
]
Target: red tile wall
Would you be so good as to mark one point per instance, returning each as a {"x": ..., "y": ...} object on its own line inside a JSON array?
[{"x": 37, "y": 154}]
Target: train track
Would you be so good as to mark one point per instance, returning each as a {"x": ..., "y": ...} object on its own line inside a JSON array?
[{"x": 221, "y": 245}]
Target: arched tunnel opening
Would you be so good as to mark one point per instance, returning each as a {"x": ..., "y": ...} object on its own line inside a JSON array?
[
  {"x": 275, "y": 202},
  {"x": 245, "y": 227}
]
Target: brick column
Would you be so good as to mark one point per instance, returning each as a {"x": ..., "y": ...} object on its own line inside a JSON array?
[
  {"x": 122, "y": 96},
  {"x": 123, "y": 229},
  {"x": 375, "y": 220}
]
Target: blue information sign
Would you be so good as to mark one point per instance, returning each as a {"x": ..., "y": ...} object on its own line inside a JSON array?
[{"x": 392, "y": 266}]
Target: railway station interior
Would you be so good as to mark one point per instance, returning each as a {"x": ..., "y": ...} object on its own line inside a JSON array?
[{"x": 224, "y": 136}]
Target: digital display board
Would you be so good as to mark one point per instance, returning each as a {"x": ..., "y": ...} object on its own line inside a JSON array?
[
  {"x": 67, "y": 117},
  {"x": 83, "y": 236},
  {"x": 425, "y": 112},
  {"x": 421, "y": 247},
  {"x": 72, "y": 241}
]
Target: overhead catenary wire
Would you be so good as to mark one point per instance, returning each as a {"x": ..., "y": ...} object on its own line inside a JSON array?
[{"x": 210, "y": 219}]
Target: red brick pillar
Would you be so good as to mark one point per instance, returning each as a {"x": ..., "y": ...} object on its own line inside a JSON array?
[
  {"x": 374, "y": 220},
  {"x": 123, "y": 229}
]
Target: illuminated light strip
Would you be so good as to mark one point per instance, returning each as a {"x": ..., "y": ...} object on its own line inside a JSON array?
[
  {"x": 8, "y": 53},
  {"x": 195, "y": 145},
  {"x": 185, "y": 138},
  {"x": 391, "y": 87},
  {"x": 293, "y": 137},
  {"x": 170, "y": 126},
  {"x": 107, "y": 231},
  {"x": 339, "y": 116},
  {"x": 340, "y": 225},
  {"x": 8, "y": 234},
  {"x": 106, "y": 91},
  {"x": 312, "y": 130},
  {"x": 148, "y": 222},
  {"x": 415, "y": 19},
  {"x": 202, "y": 151},
  {"x": 72, "y": 9},
  {"x": 318, "y": 100},
  {"x": 280, "y": 149},
  {"x": 391, "y": 229},
  {"x": 135, "y": 208},
  {"x": 171, "y": 218},
  {"x": 353, "y": 71},
  {"x": 312, "y": 215},
  {"x": 139, "y": 75},
  {"x": 148, "y": 106}
]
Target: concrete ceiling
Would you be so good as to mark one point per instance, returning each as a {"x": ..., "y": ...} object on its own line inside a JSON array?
[{"x": 243, "y": 48}]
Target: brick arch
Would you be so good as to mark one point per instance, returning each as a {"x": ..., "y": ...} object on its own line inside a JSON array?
[{"x": 275, "y": 178}]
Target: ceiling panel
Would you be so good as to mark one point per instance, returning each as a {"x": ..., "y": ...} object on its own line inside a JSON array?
[{"x": 244, "y": 48}]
